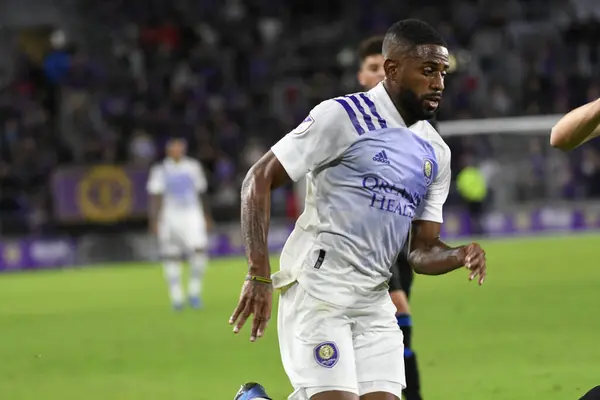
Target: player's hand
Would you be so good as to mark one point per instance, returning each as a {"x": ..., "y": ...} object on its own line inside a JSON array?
[
  {"x": 475, "y": 262},
  {"x": 256, "y": 298}
]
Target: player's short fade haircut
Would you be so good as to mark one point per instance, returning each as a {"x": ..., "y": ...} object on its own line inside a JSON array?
[
  {"x": 370, "y": 47},
  {"x": 409, "y": 33}
]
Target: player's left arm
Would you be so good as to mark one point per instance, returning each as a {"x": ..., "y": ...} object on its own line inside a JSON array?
[
  {"x": 202, "y": 189},
  {"x": 429, "y": 255}
]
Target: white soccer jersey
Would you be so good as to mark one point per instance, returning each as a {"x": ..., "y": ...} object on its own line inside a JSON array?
[
  {"x": 179, "y": 183},
  {"x": 368, "y": 177}
]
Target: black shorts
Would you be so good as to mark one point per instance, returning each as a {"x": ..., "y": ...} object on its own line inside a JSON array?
[{"x": 402, "y": 274}]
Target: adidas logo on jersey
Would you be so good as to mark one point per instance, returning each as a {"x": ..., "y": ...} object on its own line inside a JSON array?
[{"x": 381, "y": 157}]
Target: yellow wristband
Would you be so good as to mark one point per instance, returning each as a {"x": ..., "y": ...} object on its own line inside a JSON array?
[{"x": 260, "y": 279}]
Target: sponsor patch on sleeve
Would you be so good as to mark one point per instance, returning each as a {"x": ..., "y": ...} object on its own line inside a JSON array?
[{"x": 304, "y": 125}]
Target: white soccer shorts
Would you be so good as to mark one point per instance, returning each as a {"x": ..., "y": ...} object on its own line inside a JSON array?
[
  {"x": 325, "y": 347},
  {"x": 182, "y": 235}
]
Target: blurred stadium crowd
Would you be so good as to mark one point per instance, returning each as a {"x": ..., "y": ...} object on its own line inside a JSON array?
[{"x": 232, "y": 76}]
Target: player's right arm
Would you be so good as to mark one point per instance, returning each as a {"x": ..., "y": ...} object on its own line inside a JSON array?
[
  {"x": 428, "y": 254},
  {"x": 155, "y": 187},
  {"x": 577, "y": 127},
  {"x": 264, "y": 176},
  {"x": 318, "y": 140}
]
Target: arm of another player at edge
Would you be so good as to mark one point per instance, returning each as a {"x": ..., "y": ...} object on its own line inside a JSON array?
[
  {"x": 577, "y": 127},
  {"x": 428, "y": 254},
  {"x": 264, "y": 176}
]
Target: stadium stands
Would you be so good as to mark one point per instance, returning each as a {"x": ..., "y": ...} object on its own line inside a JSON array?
[{"x": 233, "y": 76}]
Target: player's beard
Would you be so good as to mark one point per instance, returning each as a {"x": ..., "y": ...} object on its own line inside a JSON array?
[{"x": 414, "y": 105}]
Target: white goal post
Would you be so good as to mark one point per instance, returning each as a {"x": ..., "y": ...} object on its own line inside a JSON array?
[{"x": 515, "y": 125}]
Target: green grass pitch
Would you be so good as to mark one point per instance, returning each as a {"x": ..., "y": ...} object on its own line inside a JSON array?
[{"x": 531, "y": 332}]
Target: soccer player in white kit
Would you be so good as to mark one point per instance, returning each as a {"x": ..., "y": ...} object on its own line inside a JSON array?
[
  {"x": 370, "y": 74},
  {"x": 179, "y": 218},
  {"x": 369, "y": 178}
]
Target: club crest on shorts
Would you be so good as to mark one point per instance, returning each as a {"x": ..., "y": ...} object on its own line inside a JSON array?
[
  {"x": 428, "y": 171},
  {"x": 326, "y": 354},
  {"x": 304, "y": 125}
]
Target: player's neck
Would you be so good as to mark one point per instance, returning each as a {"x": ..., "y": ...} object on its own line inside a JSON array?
[
  {"x": 408, "y": 120},
  {"x": 175, "y": 160}
]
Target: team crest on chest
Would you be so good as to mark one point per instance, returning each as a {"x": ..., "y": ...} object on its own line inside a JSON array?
[
  {"x": 326, "y": 354},
  {"x": 428, "y": 171}
]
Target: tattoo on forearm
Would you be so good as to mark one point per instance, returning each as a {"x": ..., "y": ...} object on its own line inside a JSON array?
[{"x": 255, "y": 220}]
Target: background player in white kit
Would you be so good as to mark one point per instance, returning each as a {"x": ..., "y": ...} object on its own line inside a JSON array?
[
  {"x": 179, "y": 217},
  {"x": 368, "y": 178}
]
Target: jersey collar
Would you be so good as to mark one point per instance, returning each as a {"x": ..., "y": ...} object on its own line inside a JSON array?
[{"x": 382, "y": 99}]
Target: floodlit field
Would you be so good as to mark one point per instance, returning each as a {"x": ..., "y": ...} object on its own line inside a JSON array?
[{"x": 531, "y": 332}]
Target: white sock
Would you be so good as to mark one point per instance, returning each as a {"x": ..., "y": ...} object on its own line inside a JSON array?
[
  {"x": 197, "y": 269},
  {"x": 172, "y": 271}
]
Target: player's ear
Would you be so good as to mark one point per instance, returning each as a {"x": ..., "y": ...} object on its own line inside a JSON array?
[{"x": 391, "y": 69}]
